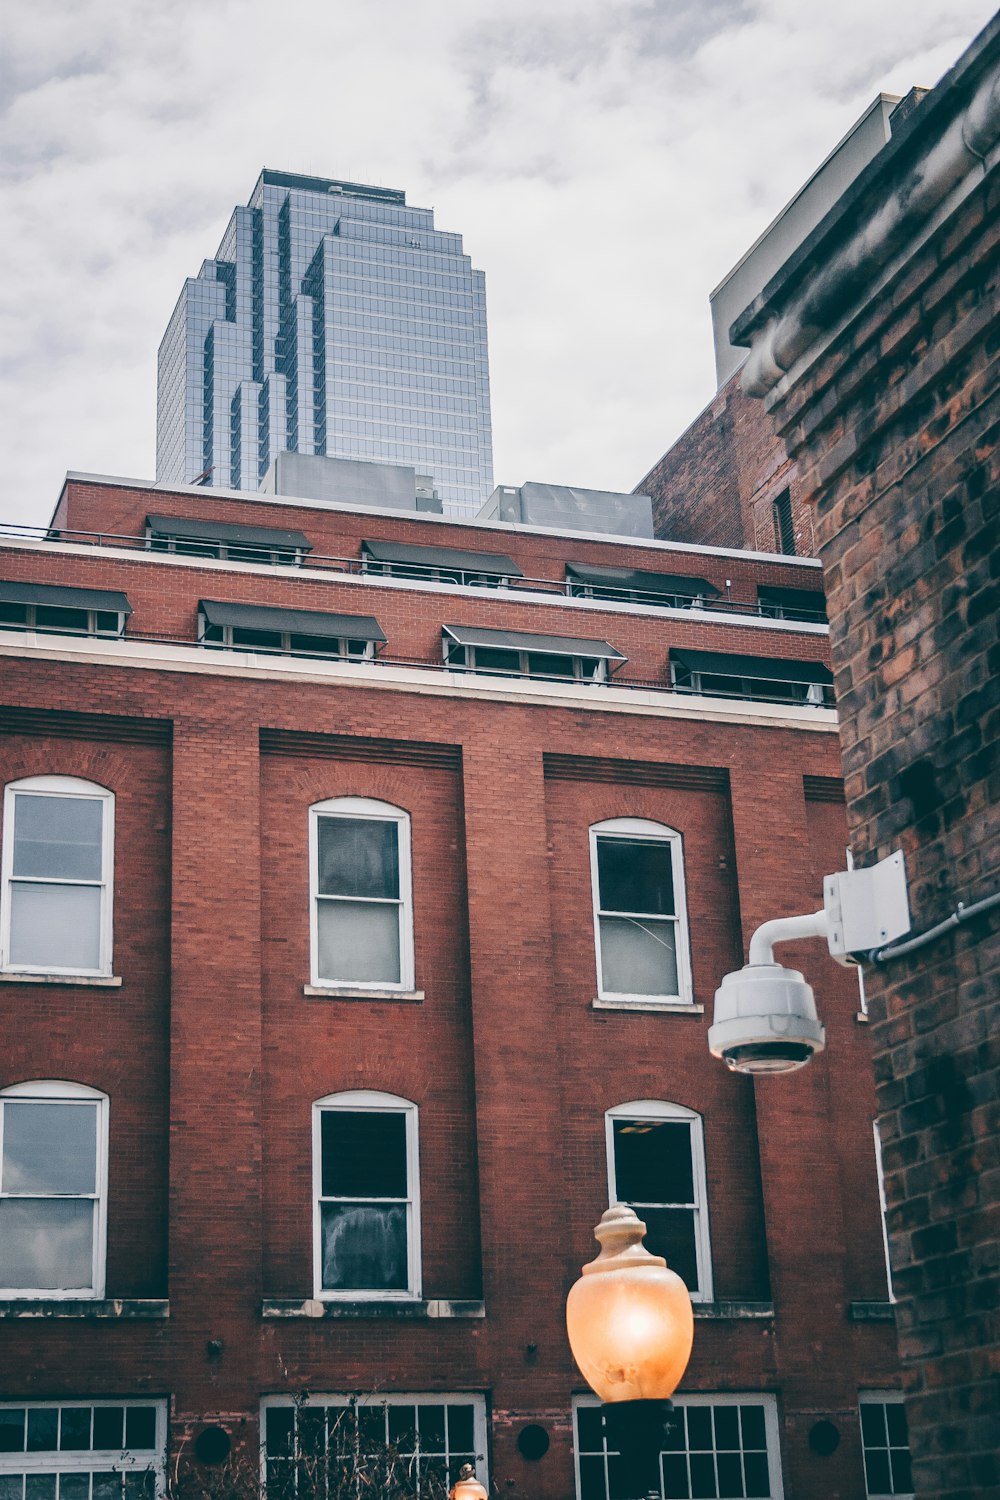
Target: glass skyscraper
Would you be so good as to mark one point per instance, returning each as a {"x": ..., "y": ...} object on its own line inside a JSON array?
[{"x": 334, "y": 319}]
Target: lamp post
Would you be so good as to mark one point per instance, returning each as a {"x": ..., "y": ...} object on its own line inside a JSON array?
[{"x": 631, "y": 1326}]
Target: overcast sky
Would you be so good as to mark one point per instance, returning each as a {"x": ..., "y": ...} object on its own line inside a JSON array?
[{"x": 607, "y": 161}]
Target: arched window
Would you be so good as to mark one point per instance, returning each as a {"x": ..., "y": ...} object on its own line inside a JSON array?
[
  {"x": 366, "y": 1197},
  {"x": 656, "y": 1164},
  {"x": 361, "y": 907},
  {"x": 53, "y": 1196},
  {"x": 58, "y": 853},
  {"x": 640, "y": 922}
]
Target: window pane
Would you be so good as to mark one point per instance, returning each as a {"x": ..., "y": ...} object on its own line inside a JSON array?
[
  {"x": 403, "y": 1427},
  {"x": 895, "y": 1421},
  {"x": 358, "y": 942},
  {"x": 873, "y": 1424},
  {"x": 364, "y": 1246},
  {"x": 670, "y": 1233},
  {"x": 107, "y": 1486},
  {"x": 495, "y": 659},
  {"x": 109, "y": 1425},
  {"x": 12, "y": 1430},
  {"x": 140, "y": 1427},
  {"x": 39, "y": 1487},
  {"x": 49, "y": 1147},
  {"x": 74, "y": 1487},
  {"x": 47, "y": 1243},
  {"x": 541, "y": 664},
  {"x": 58, "y": 837},
  {"x": 902, "y": 1478},
  {"x": 43, "y": 1428},
  {"x": 590, "y": 1429},
  {"x": 653, "y": 1161},
  {"x": 359, "y": 857},
  {"x": 314, "y": 645},
  {"x": 877, "y": 1471},
  {"x": 675, "y": 1477},
  {"x": 638, "y": 956},
  {"x": 752, "y": 1427},
  {"x": 636, "y": 875},
  {"x": 703, "y": 1485},
  {"x": 699, "y": 1426},
  {"x": 431, "y": 1420},
  {"x": 730, "y": 1472},
  {"x": 364, "y": 1154},
  {"x": 257, "y": 640},
  {"x": 278, "y": 1428},
  {"x": 140, "y": 1484},
  {"x": 55, "y": 925},
  {"x": 758, "y": 1480},
  {"x": 461, "y": 1429},
  {"x": 727, "y": 1427},
  {"x": 592, "y": 1485},
  {"x": 74, "y": 1428},
  {"x": 51, "y": 617}
]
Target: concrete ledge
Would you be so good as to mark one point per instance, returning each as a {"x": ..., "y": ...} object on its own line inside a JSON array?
[
  {"x": 741, "y": 1311},
  {"x": 871, "y": 1312},
  {"x": 312, "y": 1307},
  {"x": 670, "y": 1007},
  {"x": 75, "y": 981},
  {"x": 134, "y": 1309},
  {"x": 355, "y": 992}
]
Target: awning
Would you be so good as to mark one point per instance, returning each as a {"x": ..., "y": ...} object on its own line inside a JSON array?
[
  {"x": 761, "y": 668},
  {"x": 270, "y": 539},
  {"x": 641, "y": 581},
  {"x": 295, "y": 621},
  {"x": 801, "y": 601},
  {"x": 54, "y": 596},
  {"x": 520, "y": 640},
  {"x": 496, "y": 563}
]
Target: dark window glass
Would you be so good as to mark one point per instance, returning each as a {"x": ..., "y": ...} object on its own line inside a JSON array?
[
  {"x": 752, "y": 1427},
  {"x": 877, "y": 1471},
  {"x": 758, "y": 1480},
  {"x": 496, "y": 659},
  {"x": 592, "y": 1479},
  {"x": 140, "y": 1427},
  {"x": 364, "y": 1154},
  {"x": 363, "y": 1247},
  {"x": 703, "y": 1476},
  {"x": 107, "y": 622},
  {"x": 13, "y": 614},
  {"x": 257, "y": 640},
  {"x": 431, "y": 1420},
  {"x": 547, "y": 664},
  {"x": 315, "y": 645},
  {"x": 635, "y": 875},
  {"x": 43, "y": 1427},
  {"x": 716, "y": 685},
  {"x": 74, "y": 1427},
  {"x": 730, "y": 1471},
  {"x": 371, "y": 1426},
  {"x": 358, "y": 857},
  {"x": 727, "y": 1427},
  {"x": 403, "y": 1427},
  {"x": 784, "y": 530},
  {"x": 12, "y": 1430},
  {"x": 653, "y": 1161},
  {"x": 278, "y": 1430},
  {"x": 50, "y": 617},
  {"x": 214, "y": 633},
  {"x": 699, "y": 1426},
  {"x": 895, "y": 1421},
  {"x": 40, "y": 1487},
  {"x": 675, "y": 1477},
  {"x": 107, "y": 1486},
  {"x": 461, "y": 1429},
  {"x": 140, "y": 1484},
  {"x": 109, "y": 1428},
  {"x": 74, "y": 1487},
  {"x": 902, "y": 1477},
  {"x": 873, "y": 1424}
]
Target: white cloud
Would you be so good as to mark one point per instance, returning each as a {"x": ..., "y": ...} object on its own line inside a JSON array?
[{"x": 606, "y": 161}]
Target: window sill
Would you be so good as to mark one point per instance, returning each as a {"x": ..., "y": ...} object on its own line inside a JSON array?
[
  {"x": 312, "y": 1307},
  {"x": 737, "y": 1311},
  {"x": 356, "y": 992},
  {"x": 871, "y": 1312},
  {"x": 75, "y": 981},
  {"x": 133, "y": 1309},
  {"x": 672, "y": 1007}
]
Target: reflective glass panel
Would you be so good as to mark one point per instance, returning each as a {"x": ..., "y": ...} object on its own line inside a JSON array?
[
  {"x": 638, "y": 956},
  {"x": 653, "y": 1161},
  {"x": 57, "y": 837},
  {"x": 358, "y": 857},
  {"x": 49, "y": 1147},
  {"x": 636, "y": 875},
  {"x": 358, "y": 942},
  {"x": 55, "y": 926},
  {"x": 363, "y": 1246},
  {"x": 47, "y": 1243}
]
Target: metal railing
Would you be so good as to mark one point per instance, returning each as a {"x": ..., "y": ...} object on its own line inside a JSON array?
[{"x": 374, "y": 571}]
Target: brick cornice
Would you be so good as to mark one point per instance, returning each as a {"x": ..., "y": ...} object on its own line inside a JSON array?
[
  {"x": 361, "y": 748},
  {"x": 68, "y": 724},
  {"x": 635, "y": 772}
]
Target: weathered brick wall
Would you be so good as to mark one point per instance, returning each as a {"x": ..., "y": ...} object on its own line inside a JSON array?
[
  {"x": 718, "y": 483},
  {"x": 894, "y": 428}
]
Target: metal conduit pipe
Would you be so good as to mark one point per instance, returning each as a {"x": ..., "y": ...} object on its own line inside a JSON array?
[{"x": 962, "y": 913}]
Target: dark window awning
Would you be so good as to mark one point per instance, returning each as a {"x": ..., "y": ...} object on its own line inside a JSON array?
[
  {"x": 521, "y": 640},
  {"x": 810, "y": 602},
  {"x": 54, "y": 596},
  {"x": 761, "y": 668},
  {"x": 641, "y": 581},
  {"x": 295, "y": 621},
  {"x": 497, "y": 564},
  {"x": 268, "y": 538}
]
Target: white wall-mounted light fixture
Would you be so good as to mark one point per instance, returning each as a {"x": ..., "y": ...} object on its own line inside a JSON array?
[{"x": 765, "y": 1015}]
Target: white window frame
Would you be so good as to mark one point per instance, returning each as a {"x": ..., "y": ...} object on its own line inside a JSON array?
[
  {"x": 880, "y": 1398},
  {"x": 92, "y": 628},
  {"x": 75, "y": 789},
  {"x": 661, "y": 1109},
  {"x": 370, "y": 809},
  {"x": 816, "y": 695},
  {"x": 56, "y": 1091},
  {"x": 377, "y": 1103},
  {"x": 205, "y": 547},
  {"x": 91, "y": 1460},
  {"x": 227, "y": 643},
  {"x": 475, "y": 1399},
  {"x": 880, "y": 1177},
  {"x": 644, "y": 828},
  {"x": 743, "y": 1398},
  {"x": 451, "y": 648}
]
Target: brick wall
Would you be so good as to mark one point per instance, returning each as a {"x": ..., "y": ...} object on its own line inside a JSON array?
[
  {"x": 717, "y": 485},
  {"x": 892, "y": 420}
]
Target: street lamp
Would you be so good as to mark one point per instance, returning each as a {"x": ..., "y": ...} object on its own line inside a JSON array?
[{"x": 631, "y": 1326}]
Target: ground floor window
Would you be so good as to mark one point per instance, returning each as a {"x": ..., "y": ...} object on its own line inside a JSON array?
[
  {"x": 886, "y": 1442},
  {"x": 82, "y": 1450},
  {"x": 312, "y": 1448},
  {"x": 719, "y": 1446}
]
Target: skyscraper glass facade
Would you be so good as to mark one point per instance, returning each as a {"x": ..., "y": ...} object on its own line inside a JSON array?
[{"x": 334, "y": 319}]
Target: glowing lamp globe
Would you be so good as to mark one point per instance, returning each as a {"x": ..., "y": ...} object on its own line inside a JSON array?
[
  {"x": 629, "y": 1317},
  {"x": 467, "y": 1487}
]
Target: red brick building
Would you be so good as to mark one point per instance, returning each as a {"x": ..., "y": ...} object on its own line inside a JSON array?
[
  {"x": 876, "y": 349},
  {"x": 366, "y": 882}
]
